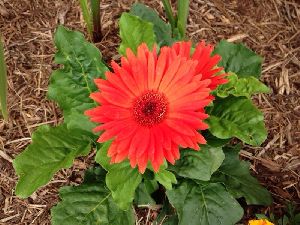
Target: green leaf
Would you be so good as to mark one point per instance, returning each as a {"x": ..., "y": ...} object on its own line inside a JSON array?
[
  {"x": 261, "y": 216},
  {"x": 204, "y": 204},
  {"x": 80, "y": 124},
  {"x": 135, "y": 31},
  {"x": 52, "y": 149},
  {"x": 144, "y": 191},
  {"x": 284, "y": 221},
  {"x": 237, "y": 117},
  {"x": 71, "y": 86},
  {"x": 245, "y": 86},
  {"x": 212, "y": 140},
  {"x": 199, "y": 165},
  {"x": 90, "y": 204},
  {"x": 297, "y": 218},
  {"x": 161, "y": 29},
  {"x": 121, "y": 179},
  {"x": 238, "y": 59},
  {"x": 165, "y": 178},
  {"x": 235, "y": 175},
  {"x": 171, "y": 220},
  {"x": 3, "y": 83}
]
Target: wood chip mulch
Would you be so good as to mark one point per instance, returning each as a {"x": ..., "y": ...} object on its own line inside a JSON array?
[{"x": 269, "y": 27}]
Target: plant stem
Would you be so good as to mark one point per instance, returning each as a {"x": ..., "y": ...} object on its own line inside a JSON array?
[
  {"x": 95, "y": 8},
  {"x": 169, "y": 13},
  {"x": 3, "y": 83},
  {"x": 87, "y": 16},
  {"x": 183, "y": 11}
]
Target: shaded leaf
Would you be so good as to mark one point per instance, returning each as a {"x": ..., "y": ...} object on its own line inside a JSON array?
[
  {"x": 245, "y": 86},
  {"x": 161, "y": 29},
  {"x": 212, "y": 140},
  {"x": 52, "y": 149},
  {"x": 90, "y": 204},
  {"x": 199, "y": 164},
  {"x": 238, "y": 59},
  {"x": 167, "y": 215},
  {"x": 135, "y": 31},
  {"x": 144, "y": 191},
  {"x": 204, "y": 204},
  {"x": 235, "y": 175},
  {"x": 237, "y": 117},
  {"x": 121, "y": 179}
]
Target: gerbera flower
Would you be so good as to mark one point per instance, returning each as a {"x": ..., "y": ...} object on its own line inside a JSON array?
[
  {"x": 260, "y": 222},
  {"x": 206, "y": 64},
  {"x": 151, "y": 105}
]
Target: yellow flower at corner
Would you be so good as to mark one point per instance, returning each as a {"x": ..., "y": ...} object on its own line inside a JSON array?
[{"x": 260, "y": 222}]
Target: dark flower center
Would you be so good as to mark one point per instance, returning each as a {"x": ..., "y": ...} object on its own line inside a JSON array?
[{"x": 150, "y": 108}]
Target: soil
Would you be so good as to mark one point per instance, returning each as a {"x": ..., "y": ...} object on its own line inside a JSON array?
[{"x": 269, "y": 27}]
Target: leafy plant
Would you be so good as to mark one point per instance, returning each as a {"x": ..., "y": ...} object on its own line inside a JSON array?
[
  {"x": 199, "y": 187},
  {"x": 3, "y": 83},
  {"x": 291, "y": 217},
  {"x": 179, "y": 21}
]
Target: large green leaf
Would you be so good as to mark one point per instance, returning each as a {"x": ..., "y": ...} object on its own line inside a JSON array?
[
  {"x": 121, "y": 179},
  {"x": 71, "y": 86},
  {"x": 245, "y": 86},
  {"x": 161, "y": 29},
  {"x": 90, "y": 204},
  {"x": 52, "y": 149},
  {"x": 199, "y": 164},
  {"x": 237, "y": 117},
  {"x": 134, "y": 31},
  {"x": 238, "y": 59},
  {"x": 204, "y": 204},
  {"x": 235, "y": 175}
]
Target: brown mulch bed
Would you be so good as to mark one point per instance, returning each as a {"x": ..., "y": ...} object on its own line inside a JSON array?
[{"x": 270, "y": 27}]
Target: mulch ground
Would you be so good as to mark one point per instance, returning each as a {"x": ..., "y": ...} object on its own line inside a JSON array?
[{"x": 269, "y": 27}]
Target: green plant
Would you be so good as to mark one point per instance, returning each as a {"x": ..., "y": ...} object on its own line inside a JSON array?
[
  {"x": 178, "y": 22},
  {"x": 3, "y": 83},
  {"x": 199, "y": 187},
  {"x": 291, "y": 217}
]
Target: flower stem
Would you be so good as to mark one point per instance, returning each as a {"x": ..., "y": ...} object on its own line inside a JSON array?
[
  {"x": 183, "y": 11},
  {"x": 95, "y": 8},
  {"x": 87, "y": 16},
  {"x": 169, "y": 13}
]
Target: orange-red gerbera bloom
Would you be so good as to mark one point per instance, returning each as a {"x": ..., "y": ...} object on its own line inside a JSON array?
[
  {"x": 152, "y": 104},
  {"x": 206, "y": 63},
  {"x": 260, "y": 222}
]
